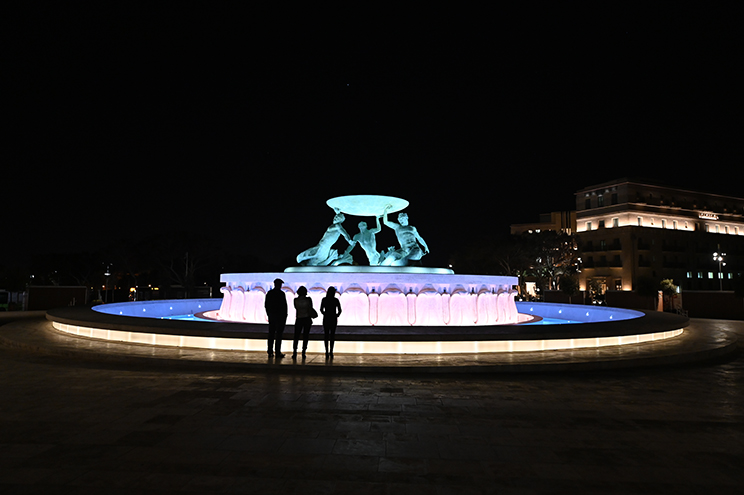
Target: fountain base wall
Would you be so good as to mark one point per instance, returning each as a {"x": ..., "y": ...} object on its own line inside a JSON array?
[{"x": 390, "y": 297}]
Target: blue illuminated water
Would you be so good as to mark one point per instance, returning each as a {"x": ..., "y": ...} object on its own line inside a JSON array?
[
  {"x": 186, "y": 309},
  {"x": 551, "y": 321},
  {"x": 544, "y": 321}
]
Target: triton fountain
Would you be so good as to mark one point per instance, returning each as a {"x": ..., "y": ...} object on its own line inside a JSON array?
[
  {"x": 389, "y": 306},
  {"x": 386, "y": 291}
]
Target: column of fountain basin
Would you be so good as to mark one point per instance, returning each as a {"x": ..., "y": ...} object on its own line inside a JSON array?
[{"x": 397, "y": 298}]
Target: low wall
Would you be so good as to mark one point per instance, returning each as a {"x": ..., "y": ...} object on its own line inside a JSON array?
[
  {"x": 630, "y": 299},
  {"x": 47, "y": 297},
  {"x": 556, "y": 296},
  {"x": 724, "y": 305}
]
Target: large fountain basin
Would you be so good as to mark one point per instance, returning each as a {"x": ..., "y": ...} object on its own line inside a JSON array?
[{"x": 383, "y": 297}]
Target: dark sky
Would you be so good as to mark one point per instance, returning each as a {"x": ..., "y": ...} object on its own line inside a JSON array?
[{"x": 242, "y": 125}]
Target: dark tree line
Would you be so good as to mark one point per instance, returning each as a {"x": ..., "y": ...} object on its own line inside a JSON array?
[
  {"x": 186, "y": 260},
  {"x": 551, "y": 258}
]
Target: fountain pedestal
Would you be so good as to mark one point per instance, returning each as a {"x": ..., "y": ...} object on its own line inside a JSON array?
[{"x": 379, "y": 296}]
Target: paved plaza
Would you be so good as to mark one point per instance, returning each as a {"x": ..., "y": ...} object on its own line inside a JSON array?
[{"x": 70, "y": 425}]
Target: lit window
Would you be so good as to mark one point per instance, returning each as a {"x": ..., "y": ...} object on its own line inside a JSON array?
[{"x": 710, "y": 274}]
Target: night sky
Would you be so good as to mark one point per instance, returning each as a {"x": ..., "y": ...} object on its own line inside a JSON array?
[{"x": 241, "y": 125}]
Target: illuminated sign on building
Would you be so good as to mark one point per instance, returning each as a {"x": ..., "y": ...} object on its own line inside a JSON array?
[{"x": 708, "y": 215}]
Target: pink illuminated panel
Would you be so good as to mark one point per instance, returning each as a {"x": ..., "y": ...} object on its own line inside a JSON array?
[{"x": 399, "y": 298}]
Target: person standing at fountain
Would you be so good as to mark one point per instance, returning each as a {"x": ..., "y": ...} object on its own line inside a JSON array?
[
  {"x": 330, "y": 307},
  {"x": 303, "y": 320},
  {"x": 276, "y": 309}
]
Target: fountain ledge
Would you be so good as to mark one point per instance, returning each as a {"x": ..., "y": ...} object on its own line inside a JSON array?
[{"x": 390, "y": 296}]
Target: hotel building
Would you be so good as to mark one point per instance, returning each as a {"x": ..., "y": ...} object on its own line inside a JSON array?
[
  {"x": 559, "y": 221},
  {"x": 630, "y": 229}
]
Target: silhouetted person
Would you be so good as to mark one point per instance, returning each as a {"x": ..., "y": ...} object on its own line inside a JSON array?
[
  {"x": 304, "y": 320},
  {"x": 276, "y": 310},
  {"x": 331, "y": 309}
]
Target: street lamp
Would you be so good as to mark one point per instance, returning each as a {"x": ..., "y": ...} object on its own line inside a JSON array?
[
  {"x": 107, "y": 274},
  {"x": 719, "y": 257}
]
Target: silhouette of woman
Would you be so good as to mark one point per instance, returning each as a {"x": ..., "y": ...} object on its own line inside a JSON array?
[
  {"x": 303, "y": 321},
  {"x": 330, "y": 307}
]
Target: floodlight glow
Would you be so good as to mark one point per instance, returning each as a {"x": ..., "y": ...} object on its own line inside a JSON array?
[
  {"x": 367, "y": 205},
  {"x": 201, "y": 338},
  {"x": 367, "y": 347}
]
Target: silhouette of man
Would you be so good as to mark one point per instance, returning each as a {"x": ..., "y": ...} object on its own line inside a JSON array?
[{"x": 276, "y": 309}]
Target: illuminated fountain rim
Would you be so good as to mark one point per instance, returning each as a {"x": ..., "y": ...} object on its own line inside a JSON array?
[
  {"x": 155, "y": 330},
  {"x": 408, "y": 294},
  {"x": 367, "y": 205},
  {"x": 396, "y": 270}
]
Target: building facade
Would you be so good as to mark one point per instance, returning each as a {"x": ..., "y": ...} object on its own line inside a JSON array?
[
  {"x": 631, "y": 229},
  {"x": 559, "y": 221}
]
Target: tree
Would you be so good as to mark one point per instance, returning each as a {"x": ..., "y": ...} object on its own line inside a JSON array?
[
  {"x": 13, "y": 278},
  {"x": 492, "y": 256},
  {"x": 183, "y": 257},
  {"x": 546, "y": 255},
  {"x": 596, "y": 291},
  {"x": 553, "y": 255},
  {"x": 669, "y": 289},
  {"x": 569, "y": 286}
]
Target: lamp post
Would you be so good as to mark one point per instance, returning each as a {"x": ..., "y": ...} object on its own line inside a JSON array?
[
  {"x": 719, "y": 257},
  {"x": 107, "y": 274}
]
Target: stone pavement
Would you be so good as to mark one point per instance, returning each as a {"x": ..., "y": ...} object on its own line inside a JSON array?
[{"x": 69, "y": 426}]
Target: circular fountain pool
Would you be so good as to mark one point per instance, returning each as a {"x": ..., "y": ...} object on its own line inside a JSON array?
[
  {"x": 179, "y": 323},
  {"x": 532, "y": 313}
]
